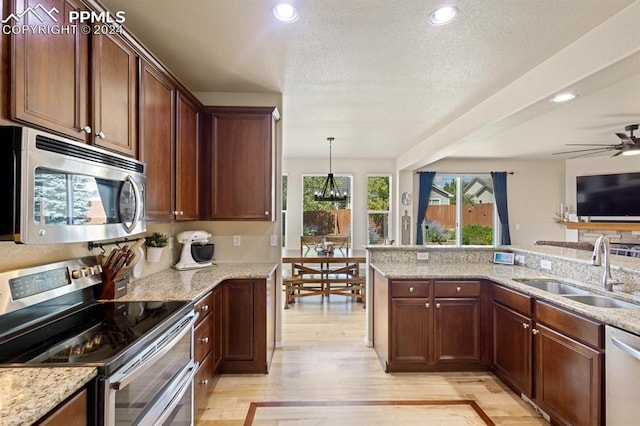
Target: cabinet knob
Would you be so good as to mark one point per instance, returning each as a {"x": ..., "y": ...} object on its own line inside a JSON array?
[
  {"x": 426, "y": 304},
  {"x": 178, "y": 213},
  {"x": 204, "y": 382},
  {"x": 87, "y": 129},
  {"x": 204, "y": 340},
  {"x": 410, "y": 289},
  {"x": 266, "y": 213},
  {"x": 204, "y": 308},
  {"x": 534, "y": 331},
  {"x": 101, "y": 135},
  {"x": 437, "y": 306},
  {"x": 458, "y": 289},
  {"x": 525, "y": 325},
  {"x": 181, "y": 213}
]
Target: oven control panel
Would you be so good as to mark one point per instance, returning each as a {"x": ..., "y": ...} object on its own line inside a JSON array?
[{"x": 28, "y": 285}]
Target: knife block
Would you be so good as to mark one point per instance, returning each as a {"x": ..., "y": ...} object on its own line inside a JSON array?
[{"x": 110, "y": 288}]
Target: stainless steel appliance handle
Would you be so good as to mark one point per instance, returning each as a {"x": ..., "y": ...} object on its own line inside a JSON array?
[
  {"x": 170, "y": 398},
  {"x": 130, "y": 371},
  {"x": 136, "y": 211},
  {"x": 628, "y": 349}
]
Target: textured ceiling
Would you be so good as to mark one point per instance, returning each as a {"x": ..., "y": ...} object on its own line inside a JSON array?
[{"x": 385, "y": 84}]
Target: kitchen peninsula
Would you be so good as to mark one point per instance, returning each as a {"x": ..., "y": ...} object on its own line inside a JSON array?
[{"x": 458, "y": 311}]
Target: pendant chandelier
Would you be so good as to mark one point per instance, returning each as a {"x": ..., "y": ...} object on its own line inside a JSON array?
[{"x": 330, "y": 190}]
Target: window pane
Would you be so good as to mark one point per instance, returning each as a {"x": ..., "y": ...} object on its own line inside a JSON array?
[
  {"x": 378, "y": 227},
  {"x": 440, "y": 223},
  {"x": 477, "y": 210},
  {"x": 378, "y": 193}
]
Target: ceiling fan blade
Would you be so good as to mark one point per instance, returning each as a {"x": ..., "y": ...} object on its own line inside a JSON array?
[
  {"x": 583, "y": 150},
  {"x": 588, "y": 153},
  {"x": 590, "y": 144},
  {"x": 617, "y": 153},
  {"x": 623, "y": 137}
]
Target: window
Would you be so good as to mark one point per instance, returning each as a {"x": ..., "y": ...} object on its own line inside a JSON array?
[
  {"x": 378, "y": 213},
  {"x": 325, "y": 217},
  {"x": 469, "y": 222},
  {"x": 284, "y": 210}
]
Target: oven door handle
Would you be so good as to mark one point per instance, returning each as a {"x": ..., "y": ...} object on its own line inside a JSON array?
[
  {"x": 174, "y": 393},
  {"x": 130, "y": 371}
]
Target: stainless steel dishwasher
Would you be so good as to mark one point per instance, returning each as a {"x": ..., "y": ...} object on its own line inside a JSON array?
[{"x": 622, "y": 354}]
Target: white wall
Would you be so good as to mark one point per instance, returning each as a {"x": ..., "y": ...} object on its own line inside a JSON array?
[
  {"x": 534, "y": 191},
  {"x": 295, "y": 168}
]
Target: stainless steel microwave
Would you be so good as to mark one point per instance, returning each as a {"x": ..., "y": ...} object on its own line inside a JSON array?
[{"x": 63, "y": 191}]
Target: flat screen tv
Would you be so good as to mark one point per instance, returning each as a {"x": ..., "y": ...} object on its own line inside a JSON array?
[{"x": 615, "y": 195}]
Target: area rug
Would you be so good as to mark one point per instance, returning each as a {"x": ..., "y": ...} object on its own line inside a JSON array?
[{"x": 336, "y": 413}]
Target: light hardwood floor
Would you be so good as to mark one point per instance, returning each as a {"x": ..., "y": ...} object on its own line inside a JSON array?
[{"x": 324, "y": 359}]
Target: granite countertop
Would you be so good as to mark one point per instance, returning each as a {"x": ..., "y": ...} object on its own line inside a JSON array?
[
  {"x": 27, "y": 394},
  {"x": 627, "y": 319},
  {"x": 192, "y": 284}
]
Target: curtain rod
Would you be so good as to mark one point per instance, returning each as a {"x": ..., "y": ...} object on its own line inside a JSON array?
[{"x": 465, "y": 173}]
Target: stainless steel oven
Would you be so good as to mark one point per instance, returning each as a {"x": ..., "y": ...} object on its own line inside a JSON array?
[
  {"x": 63, "y": 191},
  {"x": 143, "y": 351}
]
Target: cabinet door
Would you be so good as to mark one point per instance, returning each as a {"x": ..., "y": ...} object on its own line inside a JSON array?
[
  {"x": 187, "y": 137},
  {"x": 409, "y": 332},
  {"x": 242, "y": 172},
  {"x": 73, "y": 412},
  {"x": 238, "y": 320},
  {"x": 50, "y": 72},
  {"x": 457, "y": 330},
  {"x": 512, "y": 348},
  {"x": 568, "y": 376},
  {"x": 157, "y": 141},
  {"x": 115, "y": 66}
]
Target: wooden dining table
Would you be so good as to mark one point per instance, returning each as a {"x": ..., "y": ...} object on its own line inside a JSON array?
[{"x": 323, "y": 274}]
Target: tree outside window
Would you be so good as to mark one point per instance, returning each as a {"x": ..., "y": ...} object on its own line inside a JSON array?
[{"x": 378, "y": 208}]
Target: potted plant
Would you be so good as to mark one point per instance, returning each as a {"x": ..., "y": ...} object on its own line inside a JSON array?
[{"x": 155, "y": 243}]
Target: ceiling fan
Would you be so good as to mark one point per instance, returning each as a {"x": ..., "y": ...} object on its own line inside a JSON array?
[{"x": 629, "y": 145}]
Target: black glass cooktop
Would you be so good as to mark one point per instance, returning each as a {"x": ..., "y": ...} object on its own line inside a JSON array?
[{"x": 92, "y": 335}]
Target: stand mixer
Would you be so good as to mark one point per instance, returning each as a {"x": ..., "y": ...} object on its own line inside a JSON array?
[{"x": 197, "y": 251}]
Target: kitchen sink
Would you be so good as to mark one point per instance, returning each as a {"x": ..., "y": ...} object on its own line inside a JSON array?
[
  {"x": 601, "y": 301},
  {"x": 552, "y": 286}
]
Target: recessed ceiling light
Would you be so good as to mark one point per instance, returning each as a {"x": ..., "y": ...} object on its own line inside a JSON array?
[
  {"x": 443, "y": 15},
  {"x": 285, "y": 12},
  {"x": 563, "y": 97}
]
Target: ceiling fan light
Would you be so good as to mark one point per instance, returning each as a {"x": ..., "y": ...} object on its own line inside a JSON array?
[
  {"x": 285, "y": 12},
  {"x": 634, "y": 150},
  {"x": 443, "y": 15},
  {"x": 563, "y": 97}
]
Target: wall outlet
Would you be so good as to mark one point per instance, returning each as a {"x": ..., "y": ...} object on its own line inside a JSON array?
[
  {"x": 422, "y": 256},
  {"x": 236, "y": 240},
  {"x": 520, "y": 259},
  {"x": 273, "y": 241},
  {"x": 545, "y": 264}
]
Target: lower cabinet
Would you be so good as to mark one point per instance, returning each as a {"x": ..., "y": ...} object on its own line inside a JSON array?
[
  {"x": 553, "y": 356},
  {"x": 432, "y": 325},
  {"x": 202, "y": 345}
]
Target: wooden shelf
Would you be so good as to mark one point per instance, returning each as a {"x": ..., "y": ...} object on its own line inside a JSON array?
[{"x": 615, "y": 226}]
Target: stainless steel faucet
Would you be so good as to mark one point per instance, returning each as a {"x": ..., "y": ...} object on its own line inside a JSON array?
[{"x": 601, "y": 253}]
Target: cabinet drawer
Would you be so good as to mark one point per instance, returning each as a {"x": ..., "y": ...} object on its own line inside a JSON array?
[
  {"x": 512, "y": 299},
  {"x": 457, "y": 288},
  {"x": 202, "y": 386},
  {"x": 203, "y": 306},
  {"x": 572, "y": 325},
  {"x": 410, "y": 288},
  {"x": 202, "y": 339}
]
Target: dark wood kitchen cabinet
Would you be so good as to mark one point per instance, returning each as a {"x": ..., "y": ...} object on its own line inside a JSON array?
[
  {"x": 82, "y": 86},
  {"x": 72, "y": 412},
  {"x": 248, "y": 325},
  {"x": 157, "y": 141},
  {"x": 187, "y": 158},
  {"x": 429, "y": 325},
  {"x": 551, "y": 355},
  {"x": 239, "y": 163},
  {"x": 202, "y": 347},
  {"x": 569, "y": 366},
  {"x": 512, "y": 339}
]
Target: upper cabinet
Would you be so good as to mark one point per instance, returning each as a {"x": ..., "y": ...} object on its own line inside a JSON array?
[
  {"x": 157, "y": 138},
  {"x": 51, "y": 85},
  {"x": 239, "y": 153},
  {"x": 187, "y": 158}
]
